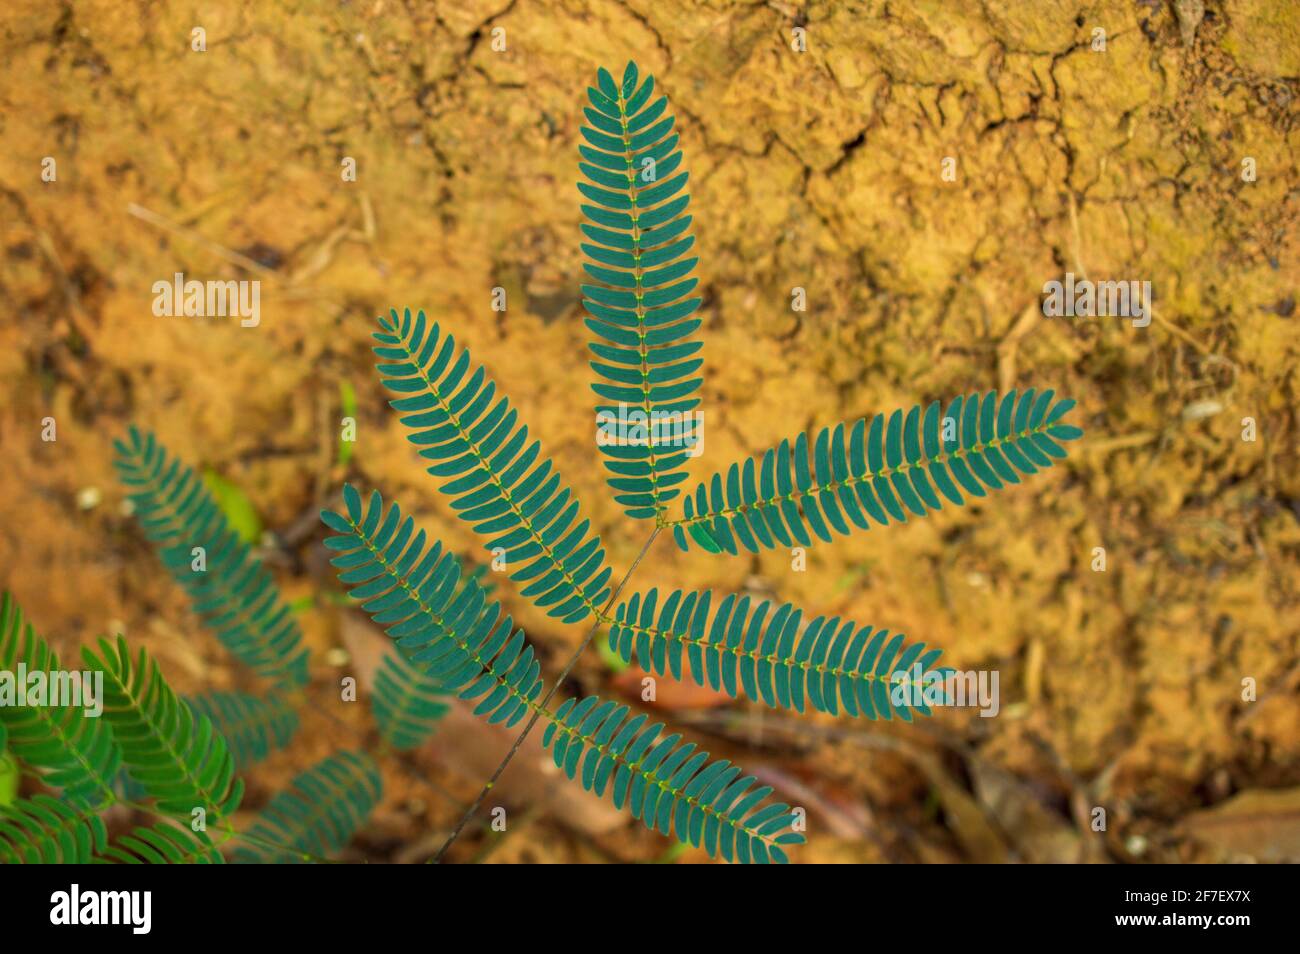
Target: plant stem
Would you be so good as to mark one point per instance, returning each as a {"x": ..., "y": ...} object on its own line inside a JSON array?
[{"x": 602, "y": 617}]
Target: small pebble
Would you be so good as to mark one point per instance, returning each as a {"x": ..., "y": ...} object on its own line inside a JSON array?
[{"x": 1198, "y": 410}]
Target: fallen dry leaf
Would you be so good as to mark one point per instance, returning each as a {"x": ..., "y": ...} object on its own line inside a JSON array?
[
  {"x": 1262, "y": 824},
  {"x": 1040, "y": 835},
  {"x": 669, "y": 693},
  {"x": 471, "y": 748},
  {"x": 966, "y": 818}
]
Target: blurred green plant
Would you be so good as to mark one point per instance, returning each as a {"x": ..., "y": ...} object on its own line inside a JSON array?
[
  {"x": 179, "y": 764},
  {"x": 208, "y": 556}
]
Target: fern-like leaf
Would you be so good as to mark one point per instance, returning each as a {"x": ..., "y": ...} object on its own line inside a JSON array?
[
  {"x": 446, "y": 627},
  {"x": 641, "y": 309},
  {"x": 876, "y": 470},
  {"x": 408, "y": 703},
  {"x": 766, "y": 653},
  {"x": 468, "y": 644},
  {"x": 525, "y": 509},
  {"x": 44, "y": 830},
  {"x": 179, "y": 759},
  {"x": 76, "y": 751},
  {"x": 163, "y": 844},
  {"x": 673, "y": 788},
  {"x": 325, "y": 807},
  {"x": 252, "y": 727},
  {"x": 235, "y": 595}
]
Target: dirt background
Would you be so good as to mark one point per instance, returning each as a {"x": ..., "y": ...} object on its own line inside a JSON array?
[{"x": 1121, "y": 689}]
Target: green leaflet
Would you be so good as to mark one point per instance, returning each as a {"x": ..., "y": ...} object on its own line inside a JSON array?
[
  {"x": 408, "y": 703},
  {"x": 252, "y": 727},
  {"x": 494, "y": 477},
  {"x": 240, "y": 514},
  {"x": 771, "y": 656},
  {"x": 672, "y": 788},
  {"x": 44, "y": 830},
  {"x": 76, "y": 752},
  {"x": 319, "y": 814},
  {"x": 235, "y": 595},
  {"x": 163, "y": 844},
  {"x": 640, "y": 309},
  {"x": 9, "y": 773},
  {"x": 178, "y": 758},
  {"x": 448, "y": 629},
  {"x": 876, "y": 470}
]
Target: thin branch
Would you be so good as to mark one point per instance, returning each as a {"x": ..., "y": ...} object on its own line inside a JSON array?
[{"x": 602, "y": 617}]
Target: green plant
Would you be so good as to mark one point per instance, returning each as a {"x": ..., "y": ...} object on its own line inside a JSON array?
[
  {"x": 180, "y": 759},
  {"x": 325, "y": 805},
  {"x": 179, "y": 763},
  {"x": 640, "y": 309},
  {"x": 177, "y": 758},
  {"x": 231, "y": 591}
]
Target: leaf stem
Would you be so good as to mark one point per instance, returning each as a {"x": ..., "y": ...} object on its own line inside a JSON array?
[{"x": 602, "y": 617}]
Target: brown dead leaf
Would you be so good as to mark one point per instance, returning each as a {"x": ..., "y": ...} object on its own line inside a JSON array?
[
  {"x": 843, "y": 815},
  {"x": 1040, "y": 835},
  {"x": 670, "y": 693},
  {"x": 366, "y": 646},
  {"x": 1262, "y": 824},
  {"x": 468, "y": 746},
  {"x": 972, "y": 828},
  {"x": 980, "y": 839}
]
